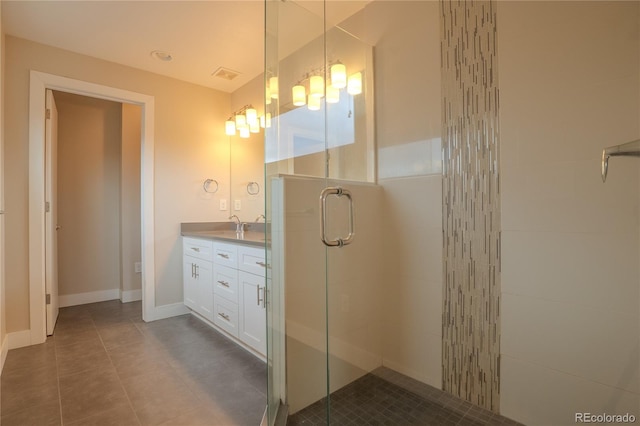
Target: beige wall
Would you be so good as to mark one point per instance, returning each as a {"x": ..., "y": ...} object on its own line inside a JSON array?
[
  {"x": 190, "y": 146},
  {"x": 569, "y": 84},
  {"x": 89, "y": 140},
  {"x": 130, "y": 233},
  {"x": 3, "y": 322}
]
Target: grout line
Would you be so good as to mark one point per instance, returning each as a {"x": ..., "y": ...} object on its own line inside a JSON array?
[{"x": 55, "y": 354}]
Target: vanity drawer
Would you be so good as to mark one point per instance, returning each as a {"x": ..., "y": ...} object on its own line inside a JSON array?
[
  {"x": 225, "y": 315},
  {"x": 251, "y": 259},
  {"x": 225, "y": 254},
  {"x": 225, "y": 283},
  {"x": 196, "y": 247}
]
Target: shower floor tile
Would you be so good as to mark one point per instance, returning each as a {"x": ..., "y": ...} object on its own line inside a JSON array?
[{"x": 385, "y": 397}]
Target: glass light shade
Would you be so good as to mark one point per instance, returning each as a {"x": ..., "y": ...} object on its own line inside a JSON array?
[
  {"x": 230, "y": 127},
  {"x": 338, "y": 76},
  {"x": 299, "y": 95},
  {"x": 267, "y": 95},
  {"x": 267, "y": 120},
  {"x": 333, "y": 95},
  {"x": 244, "y": 132},
  {"x": 316, "y": 87},
  {"x": 354, "y": 85},
  {"x": 314, "y": 103},
  {"x": 273, "y": 87},
  {"x": 254, "y": 127},
  {"x": 263, "y": 121},
  {"x": 241, "y": 121},
  {"x": 252, "y": 116}
]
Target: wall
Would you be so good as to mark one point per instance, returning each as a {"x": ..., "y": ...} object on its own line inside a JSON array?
[
  {"x": 3, "y": 322},
  {"x": 189, "y": 145},
  {"x": 130, "y": 233},
  {"x": 569, "y": 85},
  {"x": 408, "y": 130},
  {"x": 89, "y": 141}
]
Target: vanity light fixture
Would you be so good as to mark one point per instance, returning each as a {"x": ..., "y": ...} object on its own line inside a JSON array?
[
  {"x": 273, "y": 87},
  {"x": 313, "y": 87},
  {"x": 338, "y": 76},
  {"x": 244, "y": 121},
  {"x": 299, "y": 95},
  {"x": 354, "y": 84}
]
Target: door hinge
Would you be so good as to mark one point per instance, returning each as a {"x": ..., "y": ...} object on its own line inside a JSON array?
[
  {"x": 48, "y": 114},
  {"x": 47, "y": 207},
  {"x": 48, "y": 299}
]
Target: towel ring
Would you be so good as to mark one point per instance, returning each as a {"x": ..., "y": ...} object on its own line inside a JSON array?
[
  {"x": 207, "y": 183},
  {"x": 253, "y": 188}
]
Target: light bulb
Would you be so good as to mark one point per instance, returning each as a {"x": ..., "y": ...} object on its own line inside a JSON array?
[
  {"x": 354, "y": 85},
  {"x": 338, "y": 76},
  {"x": 273, "y": 87},
  {"x": 267, "y": 120},
  {"x": 254, "y": 127},
  {"x": 263, "y": 121},
  {"x": 244, "y": 132},
  {"x": 241, "y": 121},
  {"x": 267, "y": 95},
  {"x": 333, "y": 95},
  {"x": 299, "y": 95},
  {"x": 314, "y": 103},
  {"x": 316, "y": 86},
  {"x": 230, "y": 127},
  {"x": 252, "y": 116}
]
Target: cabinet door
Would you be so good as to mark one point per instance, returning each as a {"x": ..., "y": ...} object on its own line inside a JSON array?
[
  {"x": 204, "y": 278},
  {"x": 189, "y": 282},
  {"x": 253, "y": 317}
]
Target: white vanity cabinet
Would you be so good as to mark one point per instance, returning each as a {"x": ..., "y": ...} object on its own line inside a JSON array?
[
  {"x": 197, "y": 276},
  {"x": 233, "y": 299}
]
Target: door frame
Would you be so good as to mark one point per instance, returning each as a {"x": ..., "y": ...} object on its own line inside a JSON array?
[{"x": 39, "y": 82}]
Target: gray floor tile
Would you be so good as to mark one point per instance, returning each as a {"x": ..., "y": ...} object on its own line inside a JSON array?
[
  {"x": 118, "y": 415},
  {"x": 47, "y": 414},
  {"x": 90, "y": 393},
  {"x": 82, "y": 356}
]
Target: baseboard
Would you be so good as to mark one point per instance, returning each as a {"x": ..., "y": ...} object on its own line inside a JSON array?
[
  {"x": 89, "y": 297},
  {"x": 127, "y": 296},
  {"x": 168, "y": 311},
  {"x": 18, "y": 339},
  {"x": 3, "y": 352}
]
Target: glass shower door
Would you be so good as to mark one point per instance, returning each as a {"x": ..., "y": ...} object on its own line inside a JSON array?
[{"x": 319, "y": 155}]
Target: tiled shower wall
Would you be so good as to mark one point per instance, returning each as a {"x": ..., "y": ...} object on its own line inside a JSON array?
[{"x": 471, "y": 202}]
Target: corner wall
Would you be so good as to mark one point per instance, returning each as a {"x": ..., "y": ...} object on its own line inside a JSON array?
[
  {"x": 569, "y": 86},
  {"x": 408, "y": 129}
]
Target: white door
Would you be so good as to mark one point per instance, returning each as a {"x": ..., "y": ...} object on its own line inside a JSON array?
[{"x": 51, "y": 214}]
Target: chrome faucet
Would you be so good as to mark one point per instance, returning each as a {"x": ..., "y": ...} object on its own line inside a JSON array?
[
  {"x": 260, "y": 217},
  {"x": 239, "y": 224}
]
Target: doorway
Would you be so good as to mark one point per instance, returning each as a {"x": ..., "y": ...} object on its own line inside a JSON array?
[
  {"x": 39, "y": 82},
  {"x": 97, "y": 202}
]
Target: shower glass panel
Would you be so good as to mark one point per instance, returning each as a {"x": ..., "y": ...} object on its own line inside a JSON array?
[{"x": 323, "y": 326}]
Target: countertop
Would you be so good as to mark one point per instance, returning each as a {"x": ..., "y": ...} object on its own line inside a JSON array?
[{"x": 221, "y": 231}]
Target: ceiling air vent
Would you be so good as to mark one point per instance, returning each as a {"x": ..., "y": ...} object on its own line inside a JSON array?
[{"x": 225, "y": 73}]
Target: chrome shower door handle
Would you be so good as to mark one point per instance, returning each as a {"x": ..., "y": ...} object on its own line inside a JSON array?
[{"x": 339, "y": 192}]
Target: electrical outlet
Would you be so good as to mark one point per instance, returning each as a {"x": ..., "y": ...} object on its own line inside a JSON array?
[
  {"x": 137, "y": 267},
  {"x": 237, "y": 205},
  {"x": 223, "y": 204}
]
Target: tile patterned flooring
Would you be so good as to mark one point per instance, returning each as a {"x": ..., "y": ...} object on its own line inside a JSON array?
[
  {"x": 105, "y": 366},
  {"x": 385, "y": 397}
]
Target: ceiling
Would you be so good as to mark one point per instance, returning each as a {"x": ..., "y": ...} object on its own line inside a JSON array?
[{"x": 201, "y": 36}]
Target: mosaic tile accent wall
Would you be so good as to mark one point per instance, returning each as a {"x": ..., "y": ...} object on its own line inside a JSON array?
[{"x": 471, "y": 202}]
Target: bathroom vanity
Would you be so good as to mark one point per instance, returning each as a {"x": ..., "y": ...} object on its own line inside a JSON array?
[{"x": 224, "y": 282}]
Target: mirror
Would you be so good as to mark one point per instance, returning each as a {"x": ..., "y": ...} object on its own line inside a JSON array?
[{"x": 247, "y": 158}]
